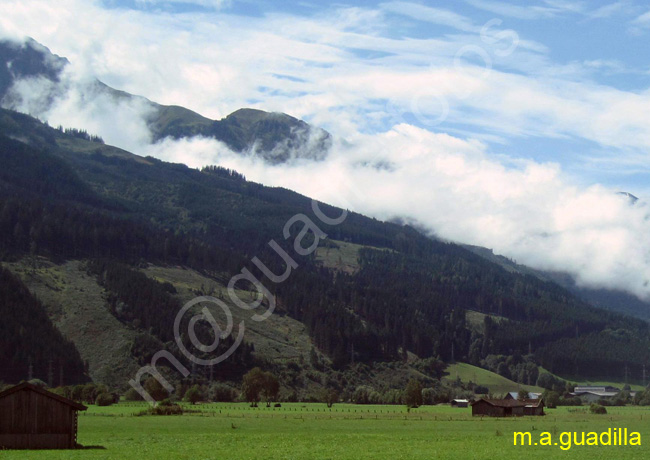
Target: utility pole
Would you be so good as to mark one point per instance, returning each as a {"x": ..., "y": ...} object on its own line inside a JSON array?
[
  {"x": 61, "y": 374},
  {"x": 30, "y": 372}
]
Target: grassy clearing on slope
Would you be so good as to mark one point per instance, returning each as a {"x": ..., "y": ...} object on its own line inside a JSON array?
[
  {"x": 77, "y": 306},
  {"x": 343, "y": 256},
  {"x": 496, "y": 383},
  {"x": 476, "y": 319},
  {"x": 635, "y": 387},
  {"x": 501, "y": 385},
  {"x": 278, "y": 338}
]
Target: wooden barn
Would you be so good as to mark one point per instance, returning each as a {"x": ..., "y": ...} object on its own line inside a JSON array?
[
  {"x": 34, "y": 418},
  {"x": 534, "y": 407},
  {"x": 507, "y": 407}
]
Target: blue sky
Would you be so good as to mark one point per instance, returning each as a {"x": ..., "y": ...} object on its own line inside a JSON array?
[{"x": 510, "y": 125}]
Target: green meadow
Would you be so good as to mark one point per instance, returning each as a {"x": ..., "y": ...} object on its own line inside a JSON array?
[{"x": 312, "y": 431}]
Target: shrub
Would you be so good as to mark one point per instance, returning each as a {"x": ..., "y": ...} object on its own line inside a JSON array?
[
  {"x": 220, "y": 392},
  {"x": 252, "y": 386},
  {"x": 363, "y": 395},
  {"x": 330, "y": 396},
  {"x": 413, "y": 394},
  {"x": 428, "y": 396},
  {"x": 481, "y": 390},
  {"x": 132, "y": 395},
  {"x": 574, "y": 401},
  {"x": 550, "y": 382},
  {"x": 551, "y": 399},
  {"x": 395, "y": 396},
  {"x": 642, "y": 398},
  {"x": 104, "y": 399},
  {"x": 597, "y": 409},
  {"x": 193, "y": 395},
  {"x": 164, "y": 407},
  {"x": 155, "y": 389}
]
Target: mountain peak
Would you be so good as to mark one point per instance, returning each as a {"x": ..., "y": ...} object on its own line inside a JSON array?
[
  {"x": 273, "y": 136},
  {"x": 276, "y": 137},
  {"x": 633, "y": 199},
  {"x": 28, "y": 59}
]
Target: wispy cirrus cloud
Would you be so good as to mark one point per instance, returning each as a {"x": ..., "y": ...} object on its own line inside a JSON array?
[
  {"x": 432, "y": 15},
  {"x": 518, "y": 11},
  {"x": 609, "y": 10},
  {"x": 213, "y": 4},
  {"x": 640, "y": 24},
  {"x": 549, "y": 9}
]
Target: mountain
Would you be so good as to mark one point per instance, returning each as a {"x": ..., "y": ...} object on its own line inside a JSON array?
[
  {"x": 27, "y": 60},
  {"x": 607, "y": 299},
  {"x": 276, "y": 137},
  {"x": 113, "y": 244}
]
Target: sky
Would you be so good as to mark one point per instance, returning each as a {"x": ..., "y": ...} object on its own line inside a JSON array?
[{"x": 510, "y": 125}]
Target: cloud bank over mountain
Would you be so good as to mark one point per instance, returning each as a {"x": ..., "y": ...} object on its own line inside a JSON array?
[{"x": 474, "y": 132}]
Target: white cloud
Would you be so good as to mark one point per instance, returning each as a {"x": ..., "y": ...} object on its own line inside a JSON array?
[
  {"x": 566, "y": 5},
  {"x": 514, "y": 10},
  {"x": 429, "y": 14},
  {"x": 80, "y": 102},
  {"x": 608, "y": 10},
  {"x": 216, "y": 4},
  {"x": 345, "y": 70},
  {"x": 553, "y": 8},
  {"x": 451, "y": 186},
  {"x": 640, "y": 24}
]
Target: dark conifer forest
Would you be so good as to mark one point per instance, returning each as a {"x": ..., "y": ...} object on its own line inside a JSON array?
[{"x": 118, "y": 211}]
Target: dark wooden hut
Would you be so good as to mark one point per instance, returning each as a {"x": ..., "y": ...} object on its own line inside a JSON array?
[
  {"x": 507, "y": 407},
  {"x": 34, "y": 418},
  {"x": 459, "y": 403},
  {"x": 534, "y": 407}
]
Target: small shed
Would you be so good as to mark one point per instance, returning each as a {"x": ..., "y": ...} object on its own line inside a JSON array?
[
  {"x": 459, "y": 403},
  {"x": 507, "y": 407},
  {"x": 34, "y": 418},
  {"x": 534, "y": 407}
]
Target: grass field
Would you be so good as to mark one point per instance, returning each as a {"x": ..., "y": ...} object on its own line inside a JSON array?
[{"x": 311, "y": 431}]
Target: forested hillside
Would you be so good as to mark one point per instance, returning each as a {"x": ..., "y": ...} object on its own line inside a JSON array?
[{"x": 63, "y": 197}]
